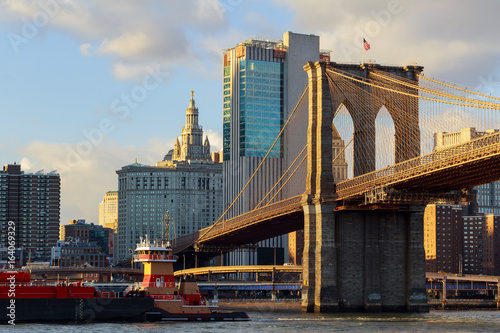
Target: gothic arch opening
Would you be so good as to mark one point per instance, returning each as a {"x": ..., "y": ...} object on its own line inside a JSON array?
[
  {"x": 384, "y": 139},
  {"x": 344, "y": 126}
]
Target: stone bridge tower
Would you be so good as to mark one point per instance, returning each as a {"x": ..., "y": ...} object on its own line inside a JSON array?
[{"x": 355, "y": 259}]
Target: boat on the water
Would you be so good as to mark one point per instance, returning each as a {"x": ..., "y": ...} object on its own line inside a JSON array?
[{"x": 157, "y": 298}]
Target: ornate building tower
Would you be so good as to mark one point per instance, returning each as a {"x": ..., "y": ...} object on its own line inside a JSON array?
[
  {"x": 339, "y": 164},
  {"x": 191, "y": 146},
  {"x": 186, "y": 184}
]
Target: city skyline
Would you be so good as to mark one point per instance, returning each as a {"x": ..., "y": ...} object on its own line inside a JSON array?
[{"x": 67, "y": 72}]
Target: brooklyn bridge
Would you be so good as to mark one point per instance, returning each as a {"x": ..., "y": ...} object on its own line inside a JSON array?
[{"x": 363, "y": 237}]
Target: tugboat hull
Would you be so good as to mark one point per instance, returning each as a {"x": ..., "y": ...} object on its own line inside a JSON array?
[{"x": 162, "y": 315}]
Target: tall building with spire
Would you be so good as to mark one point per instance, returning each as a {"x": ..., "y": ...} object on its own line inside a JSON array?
[
  {"x": 179, "y": 195},
  {"x": 191, "y": 147}
]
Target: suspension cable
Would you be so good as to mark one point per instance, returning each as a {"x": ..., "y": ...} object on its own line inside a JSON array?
[
  {"x": 260, "y": 165},
  {"x": 454, "y": 87},
  {"x": 412, "y": 95}
]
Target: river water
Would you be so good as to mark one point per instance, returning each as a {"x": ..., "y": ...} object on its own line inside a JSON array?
[{"x": 291, "y": 321}]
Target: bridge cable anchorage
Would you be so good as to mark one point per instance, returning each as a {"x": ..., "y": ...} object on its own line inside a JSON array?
[
  {"x": 258, "y": 167},
  {"x": 279, "y": 180}
]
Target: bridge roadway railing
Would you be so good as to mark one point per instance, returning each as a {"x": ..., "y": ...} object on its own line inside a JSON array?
[
  {"x": 484, "y": 146},
  {"x": 275, "y": 209}
]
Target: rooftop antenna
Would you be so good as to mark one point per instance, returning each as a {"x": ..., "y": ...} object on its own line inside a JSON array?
[{"x": 166, "y": 224}]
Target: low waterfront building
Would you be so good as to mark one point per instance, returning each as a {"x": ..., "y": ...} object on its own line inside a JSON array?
[
  {"x": 78, "y": 254},
  {"x": 76, "y": 229},
  {"x": 462, "y": 244}
]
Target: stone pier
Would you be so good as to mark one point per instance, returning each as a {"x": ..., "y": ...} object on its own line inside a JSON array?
[{"x": 380, "y": 260}]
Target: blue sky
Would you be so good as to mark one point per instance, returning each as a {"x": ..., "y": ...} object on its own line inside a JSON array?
[{"x": 69, "y": 65}]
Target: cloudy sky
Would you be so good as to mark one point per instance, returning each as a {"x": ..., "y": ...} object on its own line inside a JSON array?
[{"x": 87, "y": 86}]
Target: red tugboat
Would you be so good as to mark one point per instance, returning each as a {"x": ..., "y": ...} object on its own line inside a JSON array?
[
  {"x": 156, "y": 299},
  {"x": 184, "y": 302}
]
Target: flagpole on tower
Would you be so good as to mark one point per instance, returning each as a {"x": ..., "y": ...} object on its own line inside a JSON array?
[{"x": 366, "y": 47}]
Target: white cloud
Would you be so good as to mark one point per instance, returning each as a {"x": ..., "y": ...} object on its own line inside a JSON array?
[
  {"x": 123, "y": 71},
  {"x": 85, "y": 179},
  {"x": 85, "y": 49},
  {"x": 215, "y": 139},
  {"x": 27, "y": 164},
  {"x": 25, "y": 8},
  {"x": 127, "y": 45},
  {"x": 449, "y": 38},
  {"x": 132, "y": 33}
]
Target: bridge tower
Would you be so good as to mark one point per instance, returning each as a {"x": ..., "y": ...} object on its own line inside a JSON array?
[
  {"x": 354, "y": 259},
  {"x": 319, "y": 292}
]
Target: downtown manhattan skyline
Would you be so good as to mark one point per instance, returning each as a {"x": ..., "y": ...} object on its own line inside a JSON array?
[{"x": 88, "y": 87}]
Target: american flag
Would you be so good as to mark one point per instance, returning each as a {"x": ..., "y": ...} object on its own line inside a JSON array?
[{"x": 366, "y": 45}]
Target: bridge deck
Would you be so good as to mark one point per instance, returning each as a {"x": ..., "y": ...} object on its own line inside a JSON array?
[
  {"x": 459, "y": 167},
  {"x": 280, "y": 218}
]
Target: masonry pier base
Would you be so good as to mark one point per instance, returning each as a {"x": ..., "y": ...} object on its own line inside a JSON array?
[{"x": 374, "y": 258}]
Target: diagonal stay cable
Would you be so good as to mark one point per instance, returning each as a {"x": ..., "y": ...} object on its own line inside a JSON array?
[
  {"x": 290, "y": 177},
  {"x": 279, "y": 180},
  {"x": 302, "y": 161},
  {"x": 258, "y": 168}
]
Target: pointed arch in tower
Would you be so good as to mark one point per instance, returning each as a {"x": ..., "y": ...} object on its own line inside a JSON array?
[{"x": 384, "y": 139}]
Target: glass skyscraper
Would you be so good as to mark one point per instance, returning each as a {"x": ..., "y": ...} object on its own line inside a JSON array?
[
  {"x": 261, "y": 108},
  {"x": 262, "y": 82}
]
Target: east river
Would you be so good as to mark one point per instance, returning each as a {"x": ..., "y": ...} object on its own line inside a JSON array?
[{"x": 290, "y": 321}]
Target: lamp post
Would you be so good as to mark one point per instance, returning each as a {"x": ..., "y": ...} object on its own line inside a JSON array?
[
  {"x": 131, "y": 258},
  {"x": 184, "y": 265},
  {"x": 274, "y": 247}
]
